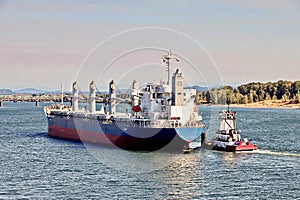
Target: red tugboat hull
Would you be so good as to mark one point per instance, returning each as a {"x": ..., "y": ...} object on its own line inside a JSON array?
[
  {"x": 228, "y": 137},
  {"x": 241, "y": 146}
]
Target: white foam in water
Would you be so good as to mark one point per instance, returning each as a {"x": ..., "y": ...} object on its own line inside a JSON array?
[
  {"x": 278, "y": 153},
  {"x": 266, "y": 152}
]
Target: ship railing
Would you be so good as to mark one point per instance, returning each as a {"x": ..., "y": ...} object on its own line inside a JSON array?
[
  {"x": 57, "y": 109},
  {"x": 230, "y": 131},
  {"x": 141, "y": 122},
  {"x": 230, "y": 136},
  {"x": 172, "y": 124},
  {"x": 194, "y": 123}
]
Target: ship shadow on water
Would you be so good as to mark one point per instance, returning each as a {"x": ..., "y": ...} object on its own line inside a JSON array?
[
  {"x": 35, "y": 135},
  {"x": 30, "y": 134},
  {"x": 45, "y": 136}
]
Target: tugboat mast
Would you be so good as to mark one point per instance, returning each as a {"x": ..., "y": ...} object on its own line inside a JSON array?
[
  {"x": 228, "y": 103},
  {"x": 166, "y": 59}
]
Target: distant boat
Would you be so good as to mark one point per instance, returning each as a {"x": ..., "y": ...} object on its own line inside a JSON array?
[{"x": 161, "y": 116}]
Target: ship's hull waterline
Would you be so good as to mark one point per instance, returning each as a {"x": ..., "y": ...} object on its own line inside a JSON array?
[{"x": 121, "y": 135}]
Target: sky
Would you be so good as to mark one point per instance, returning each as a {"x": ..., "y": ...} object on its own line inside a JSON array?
[{"x": 46, "y": 43}]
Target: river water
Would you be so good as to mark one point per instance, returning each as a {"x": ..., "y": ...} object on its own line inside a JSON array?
[{"x": 35, "y": 166}]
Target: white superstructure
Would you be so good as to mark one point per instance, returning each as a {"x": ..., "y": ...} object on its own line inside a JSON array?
[
  {"x": 168, "y": 109},
  {"x": 227, "y": 135},
  {"x": 156, "y": 105}
]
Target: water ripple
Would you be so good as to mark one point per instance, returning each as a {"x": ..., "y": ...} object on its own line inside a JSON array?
[{"x": 35, "y": 166}]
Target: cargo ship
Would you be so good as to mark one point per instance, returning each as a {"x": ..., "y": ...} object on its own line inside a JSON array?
[
  {"x": 228, "y": 138},
  {"x": 161, "y": 116}
]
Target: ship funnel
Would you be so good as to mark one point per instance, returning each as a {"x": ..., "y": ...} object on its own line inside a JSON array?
[
  {"x": 135, "y": 93},
  {"x": 92, "y": 97},
  {"x": 112, "y": 98},
  {"x": 75, "y": 97},
  {"x": 177, "y": 88}
]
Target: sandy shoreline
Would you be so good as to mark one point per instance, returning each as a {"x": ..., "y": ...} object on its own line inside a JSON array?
[{"x": 265, "y": 104}]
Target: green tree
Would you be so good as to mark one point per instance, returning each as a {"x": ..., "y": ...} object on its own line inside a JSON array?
[
  {"x": 239, "y": 98},
  {"x": 295, "y": 89},
  {"x": 214, "y": 97},
  {"x": 208, "y": 96},
  {"x": 284, "y": 97},
  {"x": 254, "y": 92},
  {"x": 250, "y": 97},
  {"x": 245, "y": 99},
  {"x": 243, "y": 89},
  {"x": 297, "y": 98},
  {"x": 260, "y": 94},
  {"x": 268, "y": 97}
]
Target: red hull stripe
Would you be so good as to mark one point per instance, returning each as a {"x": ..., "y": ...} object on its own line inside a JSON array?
[
  {"x": 249, "y": 147},
  {"x": 81, "y": 135}
]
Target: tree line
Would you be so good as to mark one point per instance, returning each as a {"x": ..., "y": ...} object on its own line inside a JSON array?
[{"x": 253, "y": 92}]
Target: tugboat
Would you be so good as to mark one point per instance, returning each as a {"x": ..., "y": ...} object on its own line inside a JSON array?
[{"x": 228, "y": 138}]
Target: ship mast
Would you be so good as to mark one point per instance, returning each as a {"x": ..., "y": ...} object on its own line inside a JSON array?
[
  {"x": 62, "y": 94},
  {"x": 166, "y": 58}
]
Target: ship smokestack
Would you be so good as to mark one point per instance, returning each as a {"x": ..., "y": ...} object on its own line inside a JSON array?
[
  {"x": 112, "y": 98},
  {"x": 75, "y": 97},
  {"x": 135, "y": 93},
  {"x": 92, "y": 97},
  {"x": 177, "y": 89}
]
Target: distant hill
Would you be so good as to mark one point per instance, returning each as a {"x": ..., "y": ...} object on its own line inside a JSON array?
[
  {"x": 122, "y": 91},
  {"x": 30, "y": 91},
  {"x": 198, "y": 88},
  {"x": 6, "y": 92}
]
